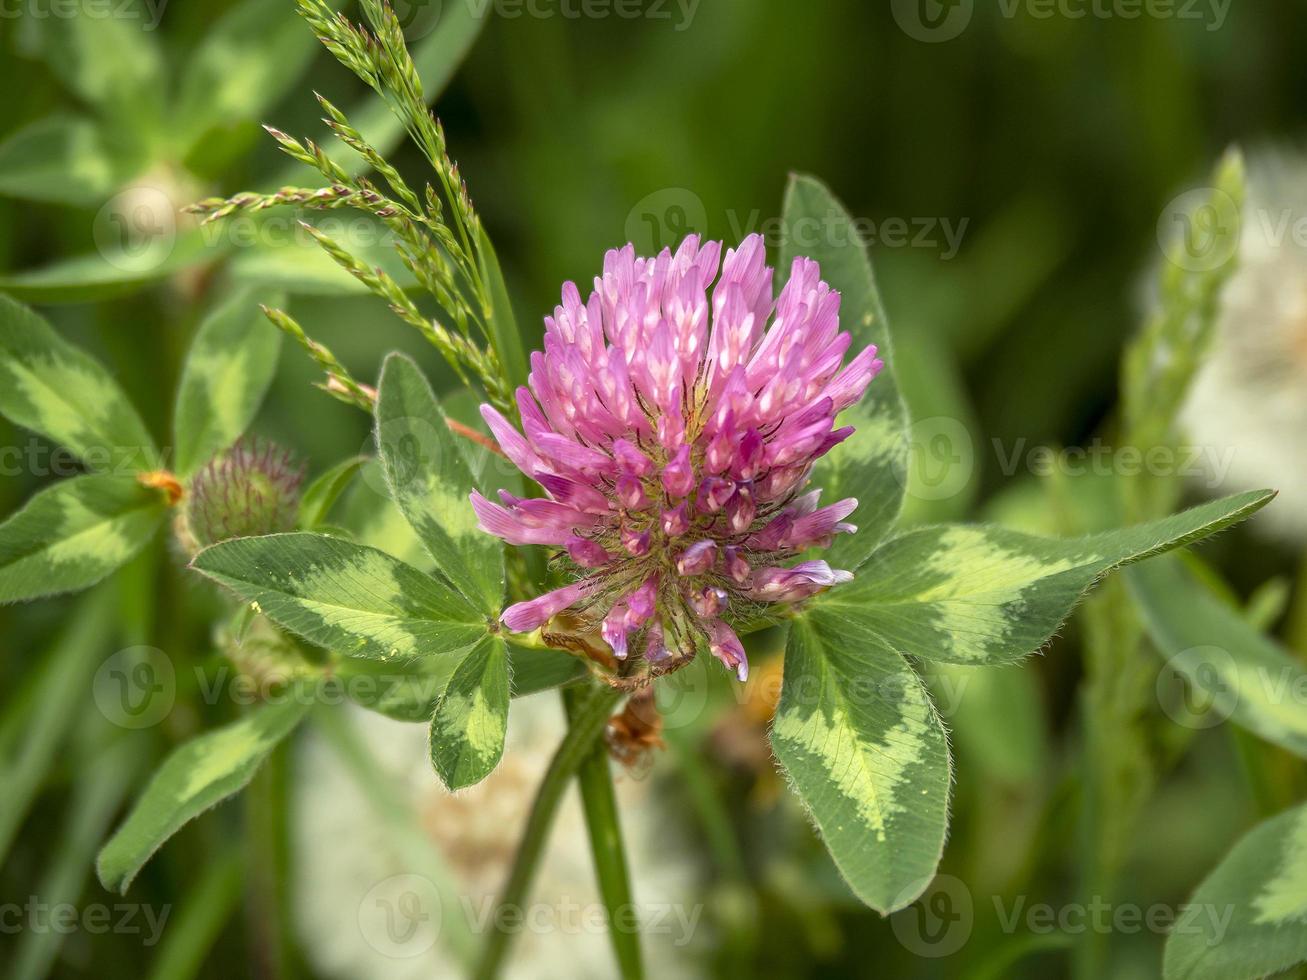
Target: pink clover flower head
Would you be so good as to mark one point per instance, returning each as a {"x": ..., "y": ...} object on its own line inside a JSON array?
[{"x": 672, "y": 420}]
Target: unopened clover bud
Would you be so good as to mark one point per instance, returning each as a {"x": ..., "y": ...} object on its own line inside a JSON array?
[
  {"x": 261, "y": 652},
  {"x": 253, "y": 488}
]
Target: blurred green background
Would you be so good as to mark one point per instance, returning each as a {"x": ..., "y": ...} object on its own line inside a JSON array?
[{"x": 1052, "y": 145}]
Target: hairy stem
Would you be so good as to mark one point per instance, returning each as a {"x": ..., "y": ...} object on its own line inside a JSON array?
[{"x": 595, "y": 778}]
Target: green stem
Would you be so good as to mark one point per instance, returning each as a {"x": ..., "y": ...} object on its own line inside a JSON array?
[
  {"x": 1113, "y": 780},
  {"x": 602, "y": 821},
  {"x": 1089, "y": 953},
  {"x": 267, "y": 838},
  {"x": 592, "y": 711}
]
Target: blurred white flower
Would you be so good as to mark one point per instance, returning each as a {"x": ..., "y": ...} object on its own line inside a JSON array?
[
  {"x": 1248, "y": 405},
  {"x": 348, "y": 866}
]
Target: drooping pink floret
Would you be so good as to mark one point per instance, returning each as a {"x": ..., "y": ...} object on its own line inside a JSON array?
[{"x": 673, "y": 425}]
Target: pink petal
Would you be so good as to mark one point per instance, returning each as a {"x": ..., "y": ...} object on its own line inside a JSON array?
[{"x": 527, "y": 616}]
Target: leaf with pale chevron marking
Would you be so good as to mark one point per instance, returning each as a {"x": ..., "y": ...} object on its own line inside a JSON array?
[
  {"x": 51, "y": 387},
  {"x": 74, "y": 533},
  {"x": 227, "y": 372},
  {"x": 430, "y": 479},
  {"x": 373, "y": 519},
  {"x": 1248, "y": 677},
  {"x": 1248, "y": 919},
  {"x": 355, "y": 600},
  {"x": 872, "y": 464},
  {"x": 197, "y": 775},
  {"x": 467, "y": 730},
  {"x": 863, "y": 747},
  {"x": 986, "y": 595}
]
